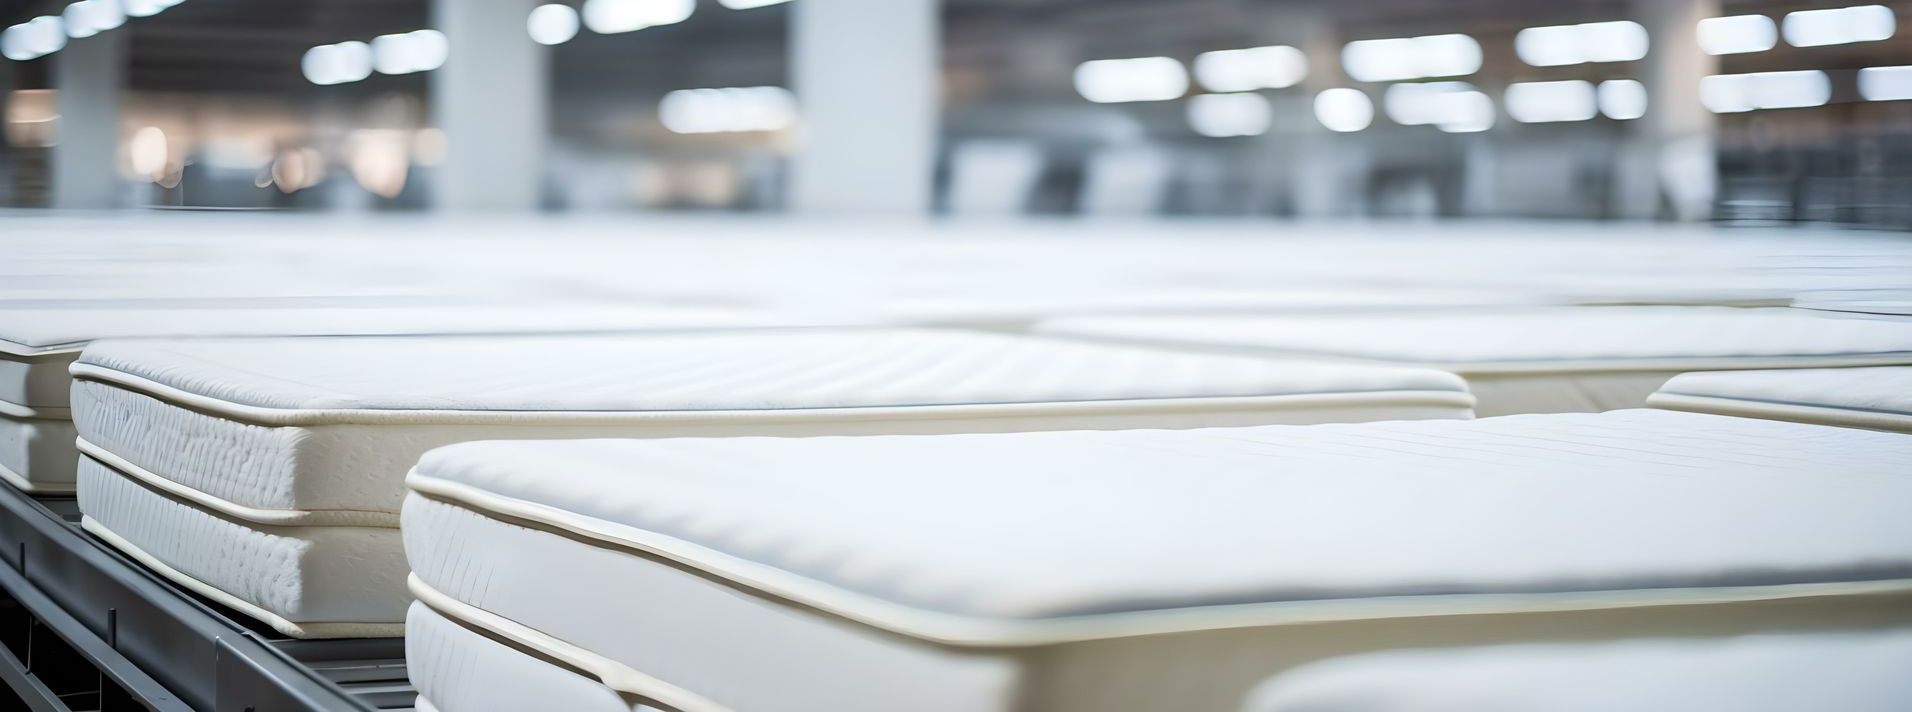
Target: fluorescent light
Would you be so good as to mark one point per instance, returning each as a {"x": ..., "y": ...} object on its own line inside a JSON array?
[
  {"x": 147, "y": 8},
  {"x": 1250, "y": 69},
  {"x": 1738, "y": 34},
  {"x": 1344, "y": 110},
  {"x": 34, "y": 38},
  {"x": 1111, "y": 81},
  {"x": 1559, "y": 45},
  {"x": 1393, "y": 60},
  {"x": 1622, "y": 99},
  {"x": 1817, "y": 28},
  {"x": 1454, "y": 107},
  {"x": 748, "y": 4},
  {"x": 337, "y": 63},
  {"x": 410, "y": 52},
  {"x": 1548, "y": 102},
  {"x": 614, "y": 16},
  {"x": 1733, "y": 93},
  {"x": 552, "y": 24},
  {"x": 1226, "y": 115},
  {"x": 1886, "y": 83},
  {"x": 91, "y": 17},
  {"x": 727, "y": 110},
  {"x": 147, "y": 152}
]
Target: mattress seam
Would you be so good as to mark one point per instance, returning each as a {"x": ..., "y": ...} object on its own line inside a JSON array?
[
  {"x": 1783, "y": 410},
  {"x": 224, "y": 507},
  {"x": 606, "y": 671}
]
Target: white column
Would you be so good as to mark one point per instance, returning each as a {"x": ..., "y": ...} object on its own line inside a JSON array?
[
  {"x": 491, "y": 100},
  {"x": 1670, "y": 159},
  {"x": 867, "y": 74},
  {"x": 87, "y": 75}
]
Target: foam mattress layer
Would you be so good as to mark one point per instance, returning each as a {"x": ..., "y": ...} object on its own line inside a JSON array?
[
  {"x": 759, "y": 573},
  {"x": 1584, "y": 359},
  {"x": 300, "y": 425},
  {"x": 1878, "y": 398},
  {"x": 1855, "y": 671},
  {"x": 304, "y": 581},
  {"x": 37, "y": 454}
]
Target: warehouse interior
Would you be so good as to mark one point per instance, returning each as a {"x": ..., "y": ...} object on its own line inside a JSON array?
[{"x": 956, "y": 355}]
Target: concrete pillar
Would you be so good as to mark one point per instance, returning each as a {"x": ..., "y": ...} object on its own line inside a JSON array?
[
  {"x": 87, "y": 75},
  {"x": 1669, "y": 167},
  {"x": 1328, "y": 172},
  {"x": 491, "y": 99},
  {"x": 868, "y": 76}
]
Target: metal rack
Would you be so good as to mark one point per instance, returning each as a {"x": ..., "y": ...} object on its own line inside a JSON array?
[{"x": 82, "y": 627}]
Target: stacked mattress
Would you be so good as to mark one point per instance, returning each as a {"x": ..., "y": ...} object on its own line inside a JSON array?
[
  {"x": 38, "y": 344},
  {"x": 1123, "y": 570},
  {"x": 1877, "y": 398},
  {"x": 1851, "y": 672},
  {"x": 268, "y": 473},
  {"x": 1585, "y": 359}
]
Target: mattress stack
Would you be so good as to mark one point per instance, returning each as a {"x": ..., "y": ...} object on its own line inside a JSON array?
[
  {"x": 1876, "y": 398},
  {"x": 1553, "y": 360},
  {"x": 267, "y": 474},
  {"x": 1127, "y": 570},
  {"x": 38, "y": 344}
]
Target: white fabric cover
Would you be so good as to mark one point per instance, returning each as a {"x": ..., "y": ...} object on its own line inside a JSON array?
[
  {"x": 1182, "y": 553},
  {"x": 1583, "y": 359},
  {"x": 1850, "y": 672},
  {"x": 318, "y": 432},
  {"x": 1487, "y": 340},
  {"x": 761, "y": 370},
  {"x": 459, "y": 669},
  {"x": 1884, "y": 389},
  {"x": 25, "y": 332},
  {"x": 307, "y": 581},
  {"x": 34, "y": 384}
]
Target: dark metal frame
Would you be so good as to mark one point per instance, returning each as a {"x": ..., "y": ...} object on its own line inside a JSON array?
[{"x": 84, "y": 627}]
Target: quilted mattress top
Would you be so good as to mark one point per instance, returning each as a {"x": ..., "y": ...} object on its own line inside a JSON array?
[
  {"x": 1021, "y": 527},
  {"x": 1520, "y": 335},
  {"x": 735, "y": 370}
]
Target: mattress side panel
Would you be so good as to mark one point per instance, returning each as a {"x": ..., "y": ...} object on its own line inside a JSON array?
[
  {"x": 252, "y": 465},
  {"x": 39, "y": 451},
  {"x": 303, "y": 574},
  {"x": 36, "y": 382},
  {"x": 463, "y": 671},
  {"x": 738, "y": 650}
]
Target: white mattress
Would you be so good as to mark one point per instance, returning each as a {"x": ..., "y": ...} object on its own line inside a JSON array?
[
  {"x": 1878, "y": 398},
  {"x": 37, "y": 454},
  {"x": 1851, "y": 672},
  {"x": 1537, "y": 360},
  {"x": 309, "y": 581},
  {"x": 319, "y": 432},
  {"x": 1144, "y": 569}
]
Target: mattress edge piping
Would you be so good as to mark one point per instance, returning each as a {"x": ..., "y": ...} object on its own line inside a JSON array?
[
  {"x": 1810, "y": 414},
  {"x": 255, "y": 515},
  {"x": 610, "y": 673}
]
